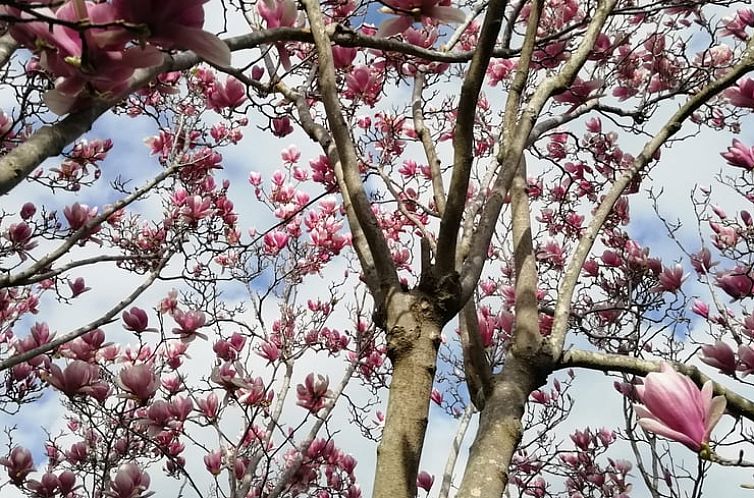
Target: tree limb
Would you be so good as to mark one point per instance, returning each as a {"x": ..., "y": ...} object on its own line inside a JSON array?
[{"x": 588, "y": 237}]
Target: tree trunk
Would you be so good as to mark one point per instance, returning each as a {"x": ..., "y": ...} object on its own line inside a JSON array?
[
  {"x": 413, "y": 330},
  {"x": 500, "y": 430}
]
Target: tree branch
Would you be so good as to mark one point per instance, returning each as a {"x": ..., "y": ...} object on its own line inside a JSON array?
[
  {"x": 438, "y": 189},
  {"x": 737, "y": 405},
  {"x": 348, "y": 161},
  {"x": 463, "y": 139},
  {"x": 103, "y": 320},
  {"x": 475, "y": 365},
  {"x": 673, "y": 125}
]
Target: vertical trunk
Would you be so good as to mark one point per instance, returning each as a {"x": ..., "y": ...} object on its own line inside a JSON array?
[
  {"x": 413, "y": 337},
  {"x": 500, "y": 430}
]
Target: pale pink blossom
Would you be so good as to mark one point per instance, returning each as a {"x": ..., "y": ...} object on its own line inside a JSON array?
[
  {"x": 188, "y": 324},
  {"x": 739, "y": 155},
  {"x": 742, "y": 95},
  {"x": 139, "y": 380},
  {"x": 674, "y": 407},
  {"x": 670, "y": 279},
  {"x": 129, "y": 482},
  {"x": 721, "y": 356}
]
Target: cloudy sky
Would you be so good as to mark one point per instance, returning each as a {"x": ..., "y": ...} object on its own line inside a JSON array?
[{"x": 694, "y": 162}]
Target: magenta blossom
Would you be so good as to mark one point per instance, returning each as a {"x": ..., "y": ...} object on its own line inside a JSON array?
[
  {"x": 739, "y": 155},
  {"x": 674, "y": 407},
  {"x": 19, "y": 464},
  {"x": 136, "y": 320},
  {"x": 140, "y": 381},
  {"x": 175, "y": 24},
  {"x": 313, "y": 394},
  {"x": 411, "y": 11},
  {"x": 425, "y": 480}
]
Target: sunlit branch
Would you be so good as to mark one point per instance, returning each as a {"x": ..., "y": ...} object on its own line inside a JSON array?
[{"x": 455, "y": 448}]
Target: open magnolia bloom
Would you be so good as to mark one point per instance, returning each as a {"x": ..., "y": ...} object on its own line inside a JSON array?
[{"x": 674, "y": 407}]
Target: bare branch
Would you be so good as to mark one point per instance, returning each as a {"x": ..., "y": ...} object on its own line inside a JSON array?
[
  {"x": 438, "y": 189},
  {"x": 455, "y": 447}
]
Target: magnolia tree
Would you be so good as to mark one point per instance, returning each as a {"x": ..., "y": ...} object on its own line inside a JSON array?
[{"x": 451, "y": 226}]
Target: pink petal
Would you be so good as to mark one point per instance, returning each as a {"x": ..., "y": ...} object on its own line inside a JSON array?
[
  {"x": 204, "y": 44},
  {"x": 446, "y": 14},
  {"x": 661, "y": 429},
  {"x": 394, "y": 26}
]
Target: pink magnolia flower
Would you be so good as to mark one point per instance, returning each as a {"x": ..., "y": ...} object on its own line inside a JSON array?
[
  {"x": 209, "y": 406},
  {"x": 343, "y": 57},
  {"x": 281, "y": 127},
  {"x": 670, "y": 279},
  {"x": 188, "y": 324},
  {"x": 19, "y": 464},
  {"x": 213, "y": 461},
  {"x": 720, "y": 356},
  {"x": 410, "y": 11},
  {"x": 700, "y": 308},
  {"x": 129, "y": 482},
  {"x": 28, "y": 210},
  {"x": 78, "y": 286},
  {"x": 77, "y": 377},
  {"x": 195, "y": 208},
  {"x": 674, "y": 407},
  {"x": 140, "y": 381},
  {"x": 425, "y": 480},
  {"x": 175, "y": 24},
  {"x": 269, "y": 351},
  {"x": 79, "y": 215},
  {"x": 230, "y": 95},
  {"x": 702, "y": 261},
  {"x": 742, "y": 95},
  {"x": 739, "y": 155},
  {"x": 579, "y": 91},
  {"x": 136, "y": 320},
  {"x": 46, "y": 486},
  {"x": 313, "y": 394},
  {"x": 737, "y": 283},
  {"x": 280, "y": 13},
  {"x": 746, "y": 359}
]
